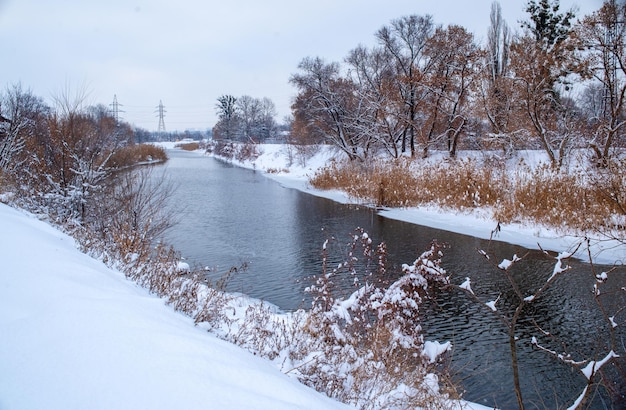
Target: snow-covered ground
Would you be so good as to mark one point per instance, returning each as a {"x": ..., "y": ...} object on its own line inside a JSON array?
[
  {"x": 75, "y": 334},
  {"x": 295, "y": 173}
]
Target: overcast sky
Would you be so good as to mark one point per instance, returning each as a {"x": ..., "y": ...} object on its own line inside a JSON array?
[{"x": 186, "y": 53}]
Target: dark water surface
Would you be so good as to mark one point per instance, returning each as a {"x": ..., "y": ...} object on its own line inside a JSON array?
[{"x": 229, "y": 216}]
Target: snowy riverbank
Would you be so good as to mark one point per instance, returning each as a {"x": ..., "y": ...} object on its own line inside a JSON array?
[
  {"x": 282, "y": 163},
  {"x": 75, "y": 334}
]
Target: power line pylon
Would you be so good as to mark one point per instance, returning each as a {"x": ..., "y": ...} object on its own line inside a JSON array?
[
  {"x": 161, "y": 113},
  {"x": 115, "y": 109}
]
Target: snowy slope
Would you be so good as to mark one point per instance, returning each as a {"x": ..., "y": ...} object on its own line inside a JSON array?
[{"x": 77, "y": 335}]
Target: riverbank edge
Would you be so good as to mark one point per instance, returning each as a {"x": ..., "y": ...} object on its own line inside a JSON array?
[{"x": 276, "y": 161}]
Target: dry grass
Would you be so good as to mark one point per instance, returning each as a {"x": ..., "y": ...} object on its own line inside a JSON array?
[
  {"x": 575, "y": 201},
  {"x": 556, "y": 199},
  {"x": 401, "y": 183},
  {"x": 189, "y": 146},
  {"x": 135, "y": 154}
]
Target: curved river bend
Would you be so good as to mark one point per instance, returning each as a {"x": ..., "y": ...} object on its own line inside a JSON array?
[{"x": 230, "y": 215}]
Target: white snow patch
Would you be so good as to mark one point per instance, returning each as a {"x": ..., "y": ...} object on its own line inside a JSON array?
[
  {"x": 506, "y": 263},
  {"x": 594, "y": 366},
  {"x": 492, "y": 304},
  {"x": 433, "y": 350},
  {"x": 182, "y": 267},
  {"x": 467, "y": 285}
]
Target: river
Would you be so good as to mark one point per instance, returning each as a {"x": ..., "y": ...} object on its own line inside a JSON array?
[{"x": 228, "y": 216}]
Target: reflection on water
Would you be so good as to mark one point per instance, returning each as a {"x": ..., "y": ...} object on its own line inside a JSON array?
[{"x": 230, "y": 215}]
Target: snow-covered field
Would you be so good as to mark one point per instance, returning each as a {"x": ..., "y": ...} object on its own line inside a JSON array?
[
  {"x": 75, "y": 334},
  {"x": 295, "y": 173}
]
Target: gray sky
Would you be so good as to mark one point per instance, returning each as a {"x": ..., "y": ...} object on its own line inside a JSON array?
[{"x": 187, "y": 53}]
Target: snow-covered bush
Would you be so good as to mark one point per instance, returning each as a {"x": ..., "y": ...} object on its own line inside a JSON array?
[{"x": 367, "y": 349}]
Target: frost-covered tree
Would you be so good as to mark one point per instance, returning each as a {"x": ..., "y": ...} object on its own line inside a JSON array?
[
  {"x": 229, "y": 118},
  {"x": 23, "y": 132},
  {"x": 327, "y": 106},
  {"x": 380, "y": 118},
  {"x": 80, "y": 150},
  {"x": 452, "y": 79},
  {"x": 603, "y": 36},
  {"x": 257, "y": 118},
  {"x": 541, "y": 62}
]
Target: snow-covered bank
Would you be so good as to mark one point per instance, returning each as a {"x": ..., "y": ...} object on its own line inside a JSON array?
[
  {"x": 293, "y": 170},
  {"x": 76, "y": 335}
]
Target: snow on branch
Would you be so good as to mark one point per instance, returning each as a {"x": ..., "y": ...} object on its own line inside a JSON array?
[
  {"x": 593, "y": 367},
  {"x": 579, "y": 399},
  {"x": 506, "y": 264},
  {"x": 482, "y": 252},
  {"x": 565, "y": 358},
  {"x": 467, "y": 285},
  {"x": 492, "y": 305},
  {"x": 558, "y": 266}
]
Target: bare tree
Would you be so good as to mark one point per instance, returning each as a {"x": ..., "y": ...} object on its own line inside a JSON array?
[
  {"x": 603, "y": 36},
  {"x": 249, "y": 111},
  {"x": 132, "y": 211},
  {"x": 404, "y": 42},
  {"x": 266, "y": 126},
  {"x": 455, "y": 59},
  {"x": 80, "y": 151},
  {"x": 257, "y": 118},
  {"x": 379, "y": 118},
  {"x": 327, "y": 105},
  {"x": 495, "y": 90},
  {"x": 541, "y": 61}
]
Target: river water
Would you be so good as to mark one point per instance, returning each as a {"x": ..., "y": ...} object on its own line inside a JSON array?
[{"x": 229, "y": 216}]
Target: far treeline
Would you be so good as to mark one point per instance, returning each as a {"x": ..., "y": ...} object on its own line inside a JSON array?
[{"x": 556, "y": 84}]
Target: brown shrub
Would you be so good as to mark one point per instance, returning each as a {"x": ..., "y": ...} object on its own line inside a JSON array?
[
  {"x": 556, "y": 199},
  {"x": 188, "y": 146},
  {"x": 135, "y": 154},
  {"x": 402, "y": 183},
  {"x": 578, "y": 201},
  {"x": 247, "y": 152}
]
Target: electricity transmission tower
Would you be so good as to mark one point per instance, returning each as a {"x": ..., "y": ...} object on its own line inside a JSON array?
[
  {"x": 115, "y": 109},
  {"x": 161, "y": 113}
]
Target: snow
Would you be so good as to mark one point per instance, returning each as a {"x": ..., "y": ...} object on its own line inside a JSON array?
[
  {"x": 432, "y": 350},
  {"x": 558, "y": 266},
  {"x": 467, "y": 285},
  {"x": 296, "y": 172},
  {"x": 506, "y": 263},
  {"x": 492, "y": 304},
  {"x": 75, "y": 334},
  {"x": 593, "y": 367},
  {"x": 182, "y": 266}
]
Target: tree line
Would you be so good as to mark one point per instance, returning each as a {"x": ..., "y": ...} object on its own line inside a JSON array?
[
  {"x": 64, "y": 158},
  {"x": 245, "y": 119},
  {"x": 556, "y": 84}
]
